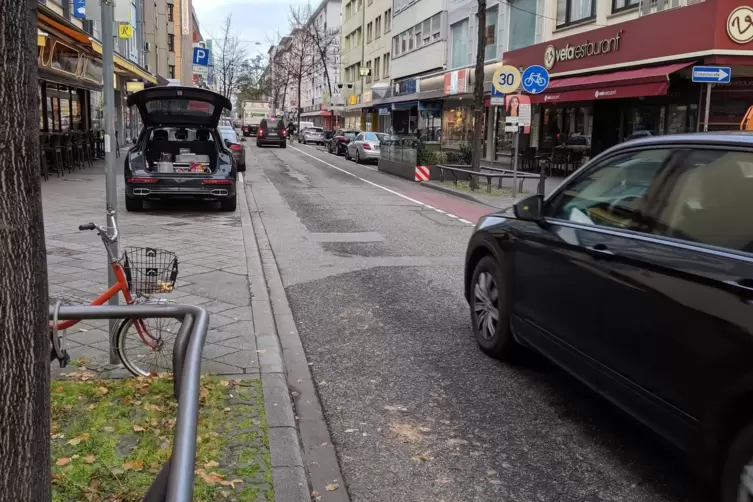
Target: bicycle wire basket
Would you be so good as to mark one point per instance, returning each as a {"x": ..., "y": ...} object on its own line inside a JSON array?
[{"x": 150, "y": 270}]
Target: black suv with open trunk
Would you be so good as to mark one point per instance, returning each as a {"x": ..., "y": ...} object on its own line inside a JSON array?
[{"x": 179, "y": 153}]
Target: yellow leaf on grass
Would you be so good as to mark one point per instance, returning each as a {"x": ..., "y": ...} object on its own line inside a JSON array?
[
  {"x": 90, "y": 459},
  {"x": 332, "y": 487},
  {"x": 224, "y": 383},
  {"x": 138, "y": 428},
  {"x": 103, "y": 390},
  {"x": 136, "y": 465},
  {"x": 211, "y": 464},
  {"x": 211, "y": 478},
  {"x": 78, "y": 439},
  {"x": 59, "y": 388},
  {"x": 204, "y": 393},
  {"x": 63, "y": 461}
]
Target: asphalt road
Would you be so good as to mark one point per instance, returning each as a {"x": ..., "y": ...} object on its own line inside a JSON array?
[{"x": 373, "y": 267}]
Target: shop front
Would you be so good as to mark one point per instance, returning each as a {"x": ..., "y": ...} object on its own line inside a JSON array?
[
  {"x": 319, "y": 115},
  {"x": 633, "y": 79}
]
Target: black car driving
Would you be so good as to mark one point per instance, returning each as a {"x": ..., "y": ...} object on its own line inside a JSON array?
[
  {"x": 636, "y": 276},
  {"x": 272, "y": 132},
  {"x": 179, "y": 153},
  {"x": 338, "y": 143}
]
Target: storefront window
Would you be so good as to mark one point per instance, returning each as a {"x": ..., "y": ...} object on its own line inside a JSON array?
[
  {"x": 96, "y": 110},
  {"x": 65, "y": 108},
  {"x": 75, "y": 111},
  {"x": 641, "y": 121},
  {"x": 93, "y": 70},
  {"x": 457, "y": 125},
  {"x": 64, "y": 58}
]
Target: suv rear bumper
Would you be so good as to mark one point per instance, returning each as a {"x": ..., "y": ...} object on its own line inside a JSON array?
[{"x": 193, "y": 190}]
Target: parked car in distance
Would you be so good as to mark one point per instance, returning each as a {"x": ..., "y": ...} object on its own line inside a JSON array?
[
  {"x": 272, "y": 132},
  {"x": 230, "y": 137},
  {"x": 636, "y": 276},
  {"x": 312, "y": 135},
  {"x": 180, "y": 153},
  {"x": 340, "y": 139},
  {"x": 578, "y": 143},
  {"x": 364, "y": 147}
]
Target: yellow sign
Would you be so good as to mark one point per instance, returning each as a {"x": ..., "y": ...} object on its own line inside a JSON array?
[
  {"x": 125, "y": 31},
  {"x": 134, "y": 86},
  {"x": 506, "y": 79},
  {"x": 353, "y": 100}
]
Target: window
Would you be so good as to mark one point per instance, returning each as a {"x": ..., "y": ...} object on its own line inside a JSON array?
[
  {"x": 396, "y": 45},
  {"x": 386, "y": 63},
  {"x": 572, "y": 11},
  {"x": 523, "y": 24},
  {"x": 707, "y": 194},
  {"x": 459, "y": 34},
  {"x": 426, "y": 32},
  {"x": 171, "y": 71},
  {"x": 368, "y": 77},
  {"x": 369, "y": 32},
  {"x": 618, "y": 5},
  {"x": 359, "y": 36},
  {"x": 359, "y": 5},
  {"x": 490, "y": 52},
  {"x": 387, "y": 20},
  {"x": 611, "y": 194},
  {"x": 403, "y": 42},
  {"x": 170, "y": 13},
  {"x": 417, "y": 36},
  {"x": 378, "y": 27},
  {"x": 376, "y": 68},
  {"x": 436, "y": 26},
  {"x": 171, "y": 42},
  {"x": 409, "y": 35},
  {"x": 348, "y": 10}
]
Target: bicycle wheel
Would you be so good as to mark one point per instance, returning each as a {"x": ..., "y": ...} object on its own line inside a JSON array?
[{"x": 145, "y": 346}]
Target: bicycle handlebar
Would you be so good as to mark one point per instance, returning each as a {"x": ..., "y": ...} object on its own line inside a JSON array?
[
  {"x": 102, "y": 230},
  {"x": 88, "y": 226}
]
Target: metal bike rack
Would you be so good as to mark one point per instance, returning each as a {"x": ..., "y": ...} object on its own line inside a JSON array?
[{"x": 187, "y": 369}]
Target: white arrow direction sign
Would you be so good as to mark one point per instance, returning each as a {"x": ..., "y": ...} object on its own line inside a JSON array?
[{"x": 713, "y": 74}]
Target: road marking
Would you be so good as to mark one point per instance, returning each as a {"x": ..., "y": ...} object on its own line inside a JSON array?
[
  {"x": 461, "y": 220},
  {"x": 418, "y": 202},
  {"x": 359, "y": 165}
]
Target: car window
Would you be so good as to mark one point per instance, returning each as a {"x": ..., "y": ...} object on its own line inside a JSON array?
[
  {"x": 613, "y": 193},
  {"x": 370, "y": 136},
  {"x": 350, "y": 134},
  {"x": 359, "y": 138},
  {"x": 576, "y": 140},
  {"x": 709, "y": 198}
]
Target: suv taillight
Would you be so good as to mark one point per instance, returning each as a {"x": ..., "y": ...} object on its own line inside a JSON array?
[
  {"x": 260, "y": 133},
  {"x": 284, "y": 132}
]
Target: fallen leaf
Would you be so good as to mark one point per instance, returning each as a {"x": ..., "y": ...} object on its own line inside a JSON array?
[
  {"x": 108, "y": 429},
  {"x": 211, "y": 478},
  {"x": 117, "y": 470},
  {"x": 261, "y": 351},
  {"x": 78, "y": 439},
  {"x": 351, "y": 430},
  {"x": 204, "y": 393},
  {"x": 63, "y": 461},
  {"x": 423, "y": 457},
  {"x": 332, "y": 487},
  {"x": 406, "y": 432},
  {"x": 211, "y": 464},
  {"x": 138, "y": 428},
  {"x": 136, "y": 465},
  {"x": 83, "y": 330},
  {"x": 227, "y": 409},
  {"x": 103, "y": 390},
  {"x": 90, "y": 459},
  {"x": 59, "y": 388},
  {"x": 127, "y": 400},
  {"x": 224, "y": 383},
  {"x": 424, "y": 429}
]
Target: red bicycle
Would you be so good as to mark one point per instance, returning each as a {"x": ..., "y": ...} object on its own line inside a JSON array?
[{"x": 144, "y": 346}]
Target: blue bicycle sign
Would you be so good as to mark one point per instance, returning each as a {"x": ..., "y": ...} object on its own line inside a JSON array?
[{"x": 535, "y": 79}]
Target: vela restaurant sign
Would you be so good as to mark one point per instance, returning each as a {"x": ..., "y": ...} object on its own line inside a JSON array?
[{"x": 552, "y": 54}]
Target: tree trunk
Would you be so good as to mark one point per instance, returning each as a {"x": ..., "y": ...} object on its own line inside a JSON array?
[
  {"x": 24, "y": 344},
  {"x": 298, "y": 105},
  {"x": 478, "y": 91}
]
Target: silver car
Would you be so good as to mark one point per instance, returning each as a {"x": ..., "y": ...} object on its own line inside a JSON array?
[
  {"x": 364, "y": 147},
  {"x": 312, "y": 135}
]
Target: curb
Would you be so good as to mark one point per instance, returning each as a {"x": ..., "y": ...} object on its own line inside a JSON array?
[
  {"x": 465, "y": 196},
  {"x": 300, "y": 442},
  {"x": 288, "y": 475}
]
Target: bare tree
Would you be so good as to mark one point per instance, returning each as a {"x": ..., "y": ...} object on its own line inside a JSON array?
[
  {"x": 253, "y": 83},
  {"x": 229, "y": 60},
  {"x": 325, "y": 42},
  {"x": 478, "y": 90},
  {"x": 24, "y": 341}
]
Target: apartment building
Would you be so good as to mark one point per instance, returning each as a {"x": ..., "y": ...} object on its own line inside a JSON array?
[
  {"x": 159, "y": 36},
  {"x": 316, "y": 97},
  {"x": 185, "y": 34}
]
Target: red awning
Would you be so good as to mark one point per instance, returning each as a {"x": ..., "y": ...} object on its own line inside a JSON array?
[{"x": 620, "y": 84}]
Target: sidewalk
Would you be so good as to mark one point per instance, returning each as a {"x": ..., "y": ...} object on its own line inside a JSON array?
[{"x": 220, "y": 271}]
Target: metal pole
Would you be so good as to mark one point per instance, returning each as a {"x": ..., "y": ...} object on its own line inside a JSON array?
[
  {"x": 515, "y": 164},
  {"x": 708, "y": 108},
  {"x": 108, "y": 96}
]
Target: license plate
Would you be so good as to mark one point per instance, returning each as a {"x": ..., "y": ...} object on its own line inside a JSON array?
[{"x": 273, "y": 134}]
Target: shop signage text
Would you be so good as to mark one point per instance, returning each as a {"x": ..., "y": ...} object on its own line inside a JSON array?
[
  {"x": 456, "y": 82},
  {"x": 552, "y": 55},
  {"x": 410, "y": 86}
]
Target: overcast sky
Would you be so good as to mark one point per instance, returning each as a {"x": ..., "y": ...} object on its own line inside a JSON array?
[{"x": 253, "y": 20}]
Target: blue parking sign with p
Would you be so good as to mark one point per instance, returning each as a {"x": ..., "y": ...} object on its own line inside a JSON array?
[
  {"x": 535, "y": 79},
  {"x": 200, "y": 56}
]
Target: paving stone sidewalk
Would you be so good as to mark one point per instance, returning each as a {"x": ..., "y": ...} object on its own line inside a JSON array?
[{"x": 212, "y": 267}]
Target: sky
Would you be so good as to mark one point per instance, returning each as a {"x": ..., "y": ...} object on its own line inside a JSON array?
[{"x": 252, "y": 21}]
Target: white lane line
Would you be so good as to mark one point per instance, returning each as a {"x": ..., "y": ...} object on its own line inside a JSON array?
[
  {"x": 359, "y": 165},
  {"x": 418, "y": 202},
  {"x": 461, "y": 220}
]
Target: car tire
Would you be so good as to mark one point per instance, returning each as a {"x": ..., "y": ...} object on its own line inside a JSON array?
[
  {"x": 229, "y": 205},
  {"x": 284, "y": 145},
  {"x": 242, "y": 168},
  {"x": 133, "y": 205},
  {"x": 347, "y": 153},
  {"x": 358, "y": 157},
  {"x": 258, "y": 144},
  {"x": 489, "y": 295},
  {"x": 739, "y": 454}
]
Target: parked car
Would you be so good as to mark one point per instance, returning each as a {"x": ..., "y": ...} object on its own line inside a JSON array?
[
  {"x": 636, "y": 276},
  {"x": 339, "y": 141},
  {"x": 179, "y": 153},
  {"x": 272, "y": 132},
  {"x": 230, "y": 137},
  {"x": 578, "y": 143},
  {"x": 364, "y": 147},
  {"x": 312, "y": 135}
]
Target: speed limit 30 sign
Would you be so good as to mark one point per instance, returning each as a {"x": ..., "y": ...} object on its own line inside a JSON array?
[{"x": 506, "y": 79}]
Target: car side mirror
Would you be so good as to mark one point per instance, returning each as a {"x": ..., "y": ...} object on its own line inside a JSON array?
[{"x": 530, "y": 209}]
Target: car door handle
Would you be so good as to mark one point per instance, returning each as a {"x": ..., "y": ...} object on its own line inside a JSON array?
[{"x": 601, "y": 249}]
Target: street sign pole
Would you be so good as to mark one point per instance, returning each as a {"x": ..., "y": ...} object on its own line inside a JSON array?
[
  {"x": 708, "y": 108},
  {"x": 515, "y": 160},
  {"x": 108, "y": 95}
]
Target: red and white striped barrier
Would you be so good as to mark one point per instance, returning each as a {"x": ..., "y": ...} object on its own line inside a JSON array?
[{"x": 422, "y": 173}]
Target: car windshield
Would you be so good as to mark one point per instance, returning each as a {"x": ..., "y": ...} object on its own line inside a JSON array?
[
  {"x": 351, "y": 134},
  {"x": 228, "y": 134},
  {"x": 370, "y": 136}
]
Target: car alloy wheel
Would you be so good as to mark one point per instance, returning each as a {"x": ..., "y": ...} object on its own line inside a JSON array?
[
  {"x": 486, "y": 294},
  {"x": 745, "y": 489},
  {"x": 358, "y": 157}
]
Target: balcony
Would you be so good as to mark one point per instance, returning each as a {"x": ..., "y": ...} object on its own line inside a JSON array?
[{"x": 654, "y": 6}]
